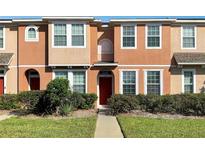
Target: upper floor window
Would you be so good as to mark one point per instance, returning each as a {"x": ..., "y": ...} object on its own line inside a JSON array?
[
  {"x": 128, "y": 38},
  {"x": 31, "y": 33},
  {"x": 69, "y": 35},
  {"x": 153, "y": 35},
  {"x": 60, "y": 35},
  {"x": 77, "y": 35},
  {"x": 2, "y": 37},
  {"x": 188, "y": 37}
]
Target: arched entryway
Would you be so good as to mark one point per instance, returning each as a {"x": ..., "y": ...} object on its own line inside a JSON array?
[
  {"x": 105, "y": 87},
  {"x": 33, "y": 78}
]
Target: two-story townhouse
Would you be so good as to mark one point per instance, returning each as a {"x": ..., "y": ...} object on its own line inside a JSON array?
[
  {"x": 188, "y": 56},
  {"x": 32, "y": 58}
]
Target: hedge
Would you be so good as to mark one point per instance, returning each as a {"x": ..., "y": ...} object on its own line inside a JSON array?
[
  {"x": 9, "y": 101},
  {"x": 185, "y": 104},
  {"x": 31, "y": 99}
]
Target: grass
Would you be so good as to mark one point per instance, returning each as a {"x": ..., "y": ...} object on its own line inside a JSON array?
[
  {"x": 21, "y": 127},
  {"x": 141, "y": 127}
]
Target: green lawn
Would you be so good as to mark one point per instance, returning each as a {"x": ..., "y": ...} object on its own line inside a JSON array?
[
  {"x": 141, "y": 127},
  {"x": 20, "y": 127}
]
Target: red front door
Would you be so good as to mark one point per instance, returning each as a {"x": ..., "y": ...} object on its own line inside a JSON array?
[
  {"x": 105, "y": 85},
  {"x": 34, "y": 83},
  {"x": 1, "y": 85}
]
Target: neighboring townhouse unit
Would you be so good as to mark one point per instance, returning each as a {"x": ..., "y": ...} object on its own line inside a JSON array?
[{"x": 123, "y": 56}]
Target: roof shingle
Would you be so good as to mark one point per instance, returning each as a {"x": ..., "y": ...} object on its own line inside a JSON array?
[{"x": 190, "y": 58}]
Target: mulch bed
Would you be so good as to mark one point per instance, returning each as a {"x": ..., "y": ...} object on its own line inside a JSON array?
[
  {"x": 3, "y": 112},
  {"x": 161, "y": 115},
  {"x": 74, "y": 114}
]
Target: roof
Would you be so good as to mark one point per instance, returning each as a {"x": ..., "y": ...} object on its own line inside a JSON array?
[
  {"x": 190, "y": 58},
  {"x": 5, "y": 58}
]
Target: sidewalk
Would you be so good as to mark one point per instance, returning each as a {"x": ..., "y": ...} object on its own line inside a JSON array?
[
  {"x": 107, "y": 127},
  {"x": 5, "y": 116}
]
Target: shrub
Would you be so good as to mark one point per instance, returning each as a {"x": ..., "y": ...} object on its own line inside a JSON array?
[
  {"x": 9, "y": 101},
  {"x": 89, "y": 101},
  {"x": 65, "y": 109},
  {"x": 57, "y": 89},
  {"x": 80, "y": 101},
  {"x": 185, "y": 104},
  {"x": 30, "y": 99},
  {"x": 122, "y": 103}
]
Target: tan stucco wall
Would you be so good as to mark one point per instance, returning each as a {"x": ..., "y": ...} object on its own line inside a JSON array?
[
  {"x": 11, "y": 80},
  {"x": 176, "y": 80},
  {"x": 176, "y": 73},
  {"x": 10, "y": 77},
  {"x": 69, "y": 55},
  {"x": 176, "y": 39}
]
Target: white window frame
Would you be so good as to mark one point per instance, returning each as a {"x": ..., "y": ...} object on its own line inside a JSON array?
[
  {"x": 69, "y": 34},
  {"x": 121, "y": 35},
  {"x": 195, "y": 32},
  {"x": 136, "y": 80},
  {"x": 70, "y": 76},
  {"x": 194, "y": 79},
  {"x": 26, "y": 34},
  {"x": 160, "y": 35},
  {"x": 161, "y": 80},
  {"x": 4, "y": 37}
]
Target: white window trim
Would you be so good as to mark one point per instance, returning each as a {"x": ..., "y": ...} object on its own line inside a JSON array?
[
  {"x": 194, "y": 79},
  {"x": 160, "y": 35},
  {"x": 70, "y": 76},
  {"x": 4, "y": 37},
  {"x": 121, "y": 36},
  {"x": 31, "y": 39},
  {"x": 69, "y": 34},
  {"x": 136, "y": 80},
  {"x": 161, "y": 80},
  {"x": 195, "y": 32}
]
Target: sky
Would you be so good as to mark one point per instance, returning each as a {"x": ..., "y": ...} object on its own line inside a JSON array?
[{"x": 107, "y": 18}]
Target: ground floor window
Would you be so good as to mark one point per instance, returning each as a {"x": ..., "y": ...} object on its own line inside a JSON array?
[
  {"x": 61, "y": 74},
  {"x": 79, "y": 82},
  {"x": 188, "y": 80},
  {"x": 129, "y": 82},
  {"x": 77, "y": 79},
  {"x": 153, "y": 83}
]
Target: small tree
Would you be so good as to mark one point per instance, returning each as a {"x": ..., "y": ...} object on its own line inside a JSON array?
[{"x": 57, "y": 89}]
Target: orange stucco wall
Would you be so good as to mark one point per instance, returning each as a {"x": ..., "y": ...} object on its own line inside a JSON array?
[
  {"x": 44, "y": 73},
  {"x": 141, "y": 55},
  {"x": 34, "y": 54}
]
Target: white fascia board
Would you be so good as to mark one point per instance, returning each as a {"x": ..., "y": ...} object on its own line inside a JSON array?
[
  {"x": 190, "y": 21},
  {"x": 191, "y": 63},
  {"x": 142, "y": 20},
  {"x": 69, "y": 64},
  {"x": 67, "y": 17},
  {"x": 27, "y": 20},
  {"x": 5, "y": 21}
]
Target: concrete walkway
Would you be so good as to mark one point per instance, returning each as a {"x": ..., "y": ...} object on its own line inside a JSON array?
[
  {"x": 107, "y": 127},
  {"x": 5, "y": 116}
]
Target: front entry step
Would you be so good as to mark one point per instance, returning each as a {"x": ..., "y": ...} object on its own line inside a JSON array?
[{"x": 104, "y": 111}]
